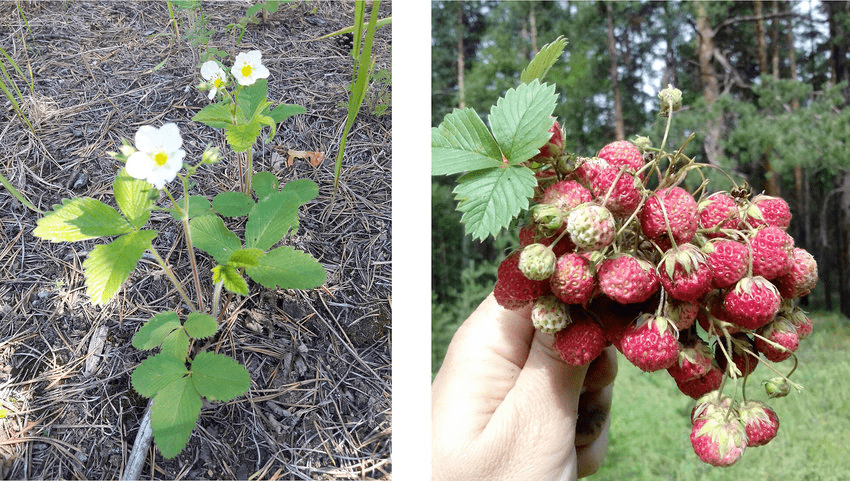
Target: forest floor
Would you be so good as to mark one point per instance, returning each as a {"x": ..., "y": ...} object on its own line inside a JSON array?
[{"x": 319, "y": 406}]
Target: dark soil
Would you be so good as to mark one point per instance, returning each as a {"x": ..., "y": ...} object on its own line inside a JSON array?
[{"x": 319, "y": 406}]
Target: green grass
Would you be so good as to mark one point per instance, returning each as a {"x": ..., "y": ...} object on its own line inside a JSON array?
[{"x": 650, "y": 428}]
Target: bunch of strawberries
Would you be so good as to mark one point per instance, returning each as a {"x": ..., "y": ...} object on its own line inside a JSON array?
[{"x": 701, "y": 286}]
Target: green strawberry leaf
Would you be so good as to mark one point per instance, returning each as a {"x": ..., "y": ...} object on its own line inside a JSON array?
[
  {"x": 264, "y": 183},
  {"x": 462, "y": 143},
  {"x": 198, "y": 206},
  {"x": 288, "y": 268},
  {"x": 215, "y": 115},
  {"x": 174, "y": 414},
  {"x": 544, "y": 60},
  {"x": 284, "y": 111},
  {"x": 242, "y": 137},
  {"x": 79, "y": 219},
  {"x": 232, "y": 204},
  {"x": 246, "y": 258},
  {"x": 109, "y": 265},
  {"x": 176, "y": 345},
  {"x": 211, "y": 236},
  {"x": 135, "y": 198},
  {"x": 156, "y": 372},
  {"x": 153, "y": 332},
  {"x": 490, "y": 199},
  {"x": 521, "y": 120},
  {"x": 218, "y": 377},
  {"x": 200, "y": 325},
  {"x": 305, "y": 189},
  {"x": 271, "y": 219},
  {"x": 233, "y": 281}
]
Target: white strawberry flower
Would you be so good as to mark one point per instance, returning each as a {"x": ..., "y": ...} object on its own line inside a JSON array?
[
  {"x": 215, "y": 75},
  {"x": 249, "y": 67},
  {"x": 159, "y": 156}
]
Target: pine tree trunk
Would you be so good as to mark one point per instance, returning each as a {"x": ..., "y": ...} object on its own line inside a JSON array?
[
  {"x": 709, "y": 83},
  {"x": 844, "y": 245},
  {"x": 619, "y": 126},
  {"x": 774, "y": 38},
  {"x": 760, "y": 43},
  {"x": 460, "y": 60}
]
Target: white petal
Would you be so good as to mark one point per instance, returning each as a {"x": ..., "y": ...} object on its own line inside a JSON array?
[
  {"x": 254, "y": 57},
  {"x": 169, "y": 137},
  {"x": 212, "y": 93},
  {"x": 161, "y": 176},
  {"x": 209, "y": 69},
  {"x": 175, "y": 160},
  {"x": 261, "y": 71},
  {"x": 139, "y": 165},
  {"x": 147, "y": 138}
]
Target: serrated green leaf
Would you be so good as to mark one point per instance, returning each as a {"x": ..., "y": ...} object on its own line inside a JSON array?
[
  {"x": 200, "y": 325},
  {"x": 305, "y": 189},
  {"x": 252, "y": 96},
  {"x": 271, "y": 219},
  {"x": 156, "y": 372},
  {"x": 215, "y": 115},
  {"x": 242, "y": 137},
  {"x": 198, "y": 206},
  {"x": 153, "y": 332},
  {"x": 174, "y": 414},
  {"x": 233, "y": 281},
  {"x": 521, "y": 120},
  {"x": 462, "y": 143},
  {"x": 176, "y": 344},
  {"x": 79, "y": 219},
  {"x": 490, "y": 199},
  {"x": 264, "y": 183},
  {"x": 544, "y": 60},
  {"x": 288, "y": 268},
  {"x": 134, "y": 198},
  {"x": 284, "y": 111},
  {"x": 109, "y": 265},
  {"x": 218, "y": 377},
  {"x": 232, "y": 204},
  {"x": 211, "y": 236},
  {"x": 249, "y": 257}
]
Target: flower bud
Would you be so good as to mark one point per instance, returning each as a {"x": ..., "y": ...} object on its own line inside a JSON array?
[
  {"x": 777, "y": 387},
  {"x": 671, "y": 99},
  {"x": 549, "y": 218},
  {"x": 642, "y": 143},
  {"x": 210, "y": 156},
  {"x": 537, "y": 262}
]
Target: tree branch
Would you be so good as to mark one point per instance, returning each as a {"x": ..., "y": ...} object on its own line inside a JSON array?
[{"x": 749, "y": 18}]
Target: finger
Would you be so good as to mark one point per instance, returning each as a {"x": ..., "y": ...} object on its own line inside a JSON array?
[
  {"x": 593, "y": 411},
  {"x": 590, "y": 457},
  {"x": 601, "y": 371}
]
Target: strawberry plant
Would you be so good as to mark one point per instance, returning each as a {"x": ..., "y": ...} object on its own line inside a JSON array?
[{"x": 616, "y": 249}]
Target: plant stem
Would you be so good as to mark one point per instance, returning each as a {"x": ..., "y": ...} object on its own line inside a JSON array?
[
  {"x": 172, "y": 278},
  {"x": 188, "y": 233}
]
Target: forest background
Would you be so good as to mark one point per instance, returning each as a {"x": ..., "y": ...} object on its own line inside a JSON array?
[{"x": 765, "y": 91}]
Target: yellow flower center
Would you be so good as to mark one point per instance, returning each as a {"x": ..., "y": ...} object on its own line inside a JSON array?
[
  {"x": 217, "y": 82},
  {"x": 160, "y": 159},
  {"x": 246, "y": 71}
]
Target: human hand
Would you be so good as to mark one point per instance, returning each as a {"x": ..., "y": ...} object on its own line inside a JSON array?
[{"x": 505, "y": 406}]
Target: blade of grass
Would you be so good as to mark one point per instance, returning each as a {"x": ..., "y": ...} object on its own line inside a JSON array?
[
  {"x": 362, "y": 68},
  {"x": 382, "y": 22},
  {"x": 12, "y": 190}
]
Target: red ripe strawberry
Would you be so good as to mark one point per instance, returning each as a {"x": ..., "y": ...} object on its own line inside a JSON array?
[
  {"x": 684, "y": 272},
  {"x": 566, "y": 195},
  {"x": 781, "y": 332},
  {"x": 765, "y": 210},
  {"x": 718, "y": 210},
  {"x": 761, "y": 423},
  {"x": 513, "y": 290},
  {"x": 573, "y": 280},
  {"x": 693, "y": 362},
  {"x": 650, "y": 344},
  {"x": 627, "y": 279},
  {"x": 620, "y": 190},
  {"x": 801, "y": 278},
  {"x": 752, "y": 303},
  {"x": 728, "y": 261},
  {"x": 581, "y": 341},
  {"x": 591, "y": 227},
  {"x": 773, "y": 252},
  {"x": 719, "y": 439},
  {"x": 681, "y": 313},
  {"x": 702, "y": 385},
  {"x": 801, "y": 322},
  {"x": 681, "y": 213},
  {"x": 587, "y": 168},
  {"x": 549, "y": 314},
  {"x": 553, "y": 147},
  {"x": 745, "y": 362},
  {"x": 712, "y": 316},
  {"x": 622, "y": 153}
]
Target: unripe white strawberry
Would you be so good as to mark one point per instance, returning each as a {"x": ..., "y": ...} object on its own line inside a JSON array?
[
  {"x": 549, "y": 314},
  {"x": 591, "y": 227},
  {"x": 537, "y": 262}
]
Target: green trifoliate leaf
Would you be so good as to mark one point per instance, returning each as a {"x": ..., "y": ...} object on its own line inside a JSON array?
[
  {"x": 200, "y": 325},
  {"x": 232, "y": 204},
  {"x": 216, "y": 115},
  {"x": 264, "y": 183},
  {"x": 174, "y": 414},
  {"x": 462, "y": 143},
  {"x": 271, "y": 219},
  {"x": 243, "y": 258},
  {"x": 198, "y": 206},
  {"x": 544, "y": 60},
  {"x": 218, "y": 377},
  {"x": 211, "y": 236},
  {"x": 284, "y": 111},
  {"x": 490, "y": 199},
  {"x": 79, "y": 219},
  {"x": 156, "y": 372},
  {"x": 153, "y": 332},
  {"x": 252, "y": 96},
  {"x": 288, "y": 268},
  {"x": 109, "y": 265},
  {"x": 134, "y": 198},
  {"x": 242, "y": 137},
  {"x": 176, "y": 345},
  {"x": 305, "y": 189},
  {"x": 521, "y": 120},
  {"x": 233, "y": 281}
]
